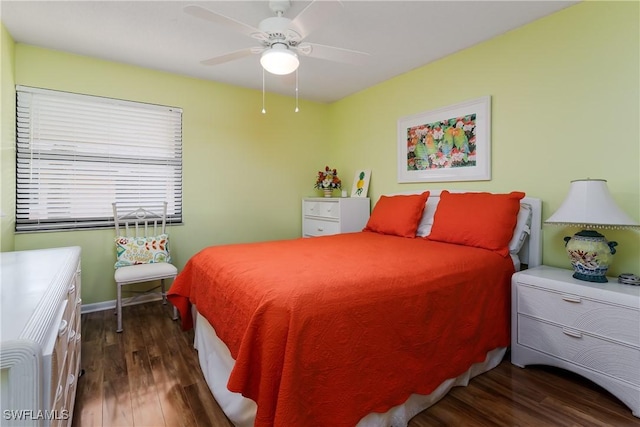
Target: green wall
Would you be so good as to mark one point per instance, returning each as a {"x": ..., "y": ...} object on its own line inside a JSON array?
[
  {"x": 243, "y": 172},
  {"x": 7, "y": 141},
  {"x": 565, "y": 105}
]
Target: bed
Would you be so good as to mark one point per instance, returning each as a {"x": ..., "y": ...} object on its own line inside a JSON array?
[{"x": 366, "y": 328}]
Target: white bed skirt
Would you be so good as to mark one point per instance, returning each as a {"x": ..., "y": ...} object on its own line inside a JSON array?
[{"x": 216, "y": 363}]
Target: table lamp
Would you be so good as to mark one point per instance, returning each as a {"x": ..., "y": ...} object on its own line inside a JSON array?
[{"x": 590, "y": 205}]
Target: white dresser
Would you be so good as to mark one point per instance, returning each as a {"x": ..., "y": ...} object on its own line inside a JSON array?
[
  {"x": 322, "y": 216},
  {"x": 592, "y": 329},
  {"x": 40, "y": 341}
]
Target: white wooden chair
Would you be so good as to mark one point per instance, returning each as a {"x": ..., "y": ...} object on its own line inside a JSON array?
[{"x": 143, "y": 252}]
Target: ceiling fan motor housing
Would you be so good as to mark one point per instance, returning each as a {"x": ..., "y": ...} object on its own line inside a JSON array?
[{"x": 277, "y": 27}]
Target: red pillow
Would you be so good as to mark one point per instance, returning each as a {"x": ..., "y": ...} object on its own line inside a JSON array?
[
  {"x": 482, "y": 220},
  {"x": 397, "y": 215}
]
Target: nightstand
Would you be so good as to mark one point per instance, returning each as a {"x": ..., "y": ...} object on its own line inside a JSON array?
[
  {"x": 592, "y": 329},
  {"x": 323, "y": 216}
]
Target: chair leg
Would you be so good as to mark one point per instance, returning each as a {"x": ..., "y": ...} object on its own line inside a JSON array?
[
  {"x": 115, "y": 309},
  {"x": 164, "y": 293},
  {"x": 164, "y": 300},
  {"x": 119, "y": 307}
]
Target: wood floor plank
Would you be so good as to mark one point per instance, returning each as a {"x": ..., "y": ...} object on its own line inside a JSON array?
[
  {"x": 92, "y": 326},
  {"x": 145, "y": 403},
  {"x": 521, "y": 406},
  {"x": 150, "y": 374},
  {"x": 133, "y": 323},
  {"x": 114, "y": 363},
  {"x": 111, "y": 323},
  {"x": 116, "y": 404},
  {"x": 206, "y": 413},
  {"x": 116, "y": 407},
  {"x": 485, "y": 400},
  {"x": 173, "y": 399},
  {"x": 158, "y": 329},
  {"x": 185, "y": 361},
  {"x": 90, "y": 390}
]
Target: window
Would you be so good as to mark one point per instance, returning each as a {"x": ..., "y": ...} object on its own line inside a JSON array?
[{"x": 77, "y": 154}]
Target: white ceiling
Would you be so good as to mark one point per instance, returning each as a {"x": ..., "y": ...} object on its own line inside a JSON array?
[{"x": 398, "y": 35}]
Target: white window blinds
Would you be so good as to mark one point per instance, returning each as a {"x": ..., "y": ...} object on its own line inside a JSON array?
[{"x": 77, "y": 154}]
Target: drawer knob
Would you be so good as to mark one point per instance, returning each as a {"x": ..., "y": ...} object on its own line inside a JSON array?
[
  {"x": 572, "y": 332},
  {"x": 571, "y": 298},
  {"x": 59, "y": 392},
  {"x": 320, "y": 229},
  {"x": 63, "y": 328}
]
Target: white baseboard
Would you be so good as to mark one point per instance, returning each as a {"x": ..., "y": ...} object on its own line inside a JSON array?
[{"x": 111, "y": 305}]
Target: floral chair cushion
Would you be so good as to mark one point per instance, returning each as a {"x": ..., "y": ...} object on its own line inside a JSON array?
[{"x": 142, "y": 250}]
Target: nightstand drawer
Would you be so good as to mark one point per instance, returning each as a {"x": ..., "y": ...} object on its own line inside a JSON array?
[
  {"x": 318, "y": 227},
  {"x": 327, "y": 209},
  {"x": 608, "y": 320},
  {"x": 607, "y": 357}
]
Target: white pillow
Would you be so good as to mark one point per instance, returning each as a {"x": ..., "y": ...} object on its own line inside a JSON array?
[
  {"x": 424, "y": 227},
  {"x": 522, "y": 230}
]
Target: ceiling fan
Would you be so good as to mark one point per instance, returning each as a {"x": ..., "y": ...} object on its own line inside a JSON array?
[{"x": 282, "y": 39}]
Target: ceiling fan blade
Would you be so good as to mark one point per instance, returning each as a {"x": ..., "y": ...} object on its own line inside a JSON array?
[
  {"x": 231, "y": 56},
  {"x": 208, "y": 15},
  {"x": 314, "y": 16},
  {"x": 332, "y": 53}
]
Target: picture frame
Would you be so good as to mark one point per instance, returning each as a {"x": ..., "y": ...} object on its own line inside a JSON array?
[
  {"x": 361, "y": 180},
  {"x": 452, "y": 143}
]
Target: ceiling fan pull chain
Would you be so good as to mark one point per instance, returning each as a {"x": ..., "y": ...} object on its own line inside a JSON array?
[
  {"x": 263, "y": 110},
  {"x": 297, "y": 109}
]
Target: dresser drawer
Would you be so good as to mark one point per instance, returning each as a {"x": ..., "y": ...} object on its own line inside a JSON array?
[
  {"x": 322, "y": 209},
  {"x": 60, "y": 387},
  {"x": 70, "y": 386},
  {"x": 609, "y": 358},
  {"x": 62, "y": 341},
  {"x": 608, "y": 320},
  {"x": 318, "y": 227},
  {"x": 58, "y": 401}
]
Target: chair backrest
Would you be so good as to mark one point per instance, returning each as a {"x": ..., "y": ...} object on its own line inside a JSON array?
[{"x": 140, "y": 221}]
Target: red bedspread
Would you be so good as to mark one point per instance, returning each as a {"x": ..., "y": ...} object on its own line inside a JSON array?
[{"x": 328, "y": 329}]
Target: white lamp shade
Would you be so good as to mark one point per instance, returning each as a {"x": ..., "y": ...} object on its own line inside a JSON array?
[
  {"x": 279, "y": 60},
  {"x": 589, "y": 203}
]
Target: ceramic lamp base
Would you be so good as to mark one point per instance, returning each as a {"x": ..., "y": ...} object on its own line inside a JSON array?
[{"x": 590, "y": 255}]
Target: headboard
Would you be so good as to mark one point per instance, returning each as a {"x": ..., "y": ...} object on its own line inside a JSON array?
[{"x": 531, "y": 252}]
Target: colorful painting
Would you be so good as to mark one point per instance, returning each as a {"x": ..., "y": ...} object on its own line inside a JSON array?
[
  {"x": 361, "y": 183},
  {"x": 449, "y": 144}
]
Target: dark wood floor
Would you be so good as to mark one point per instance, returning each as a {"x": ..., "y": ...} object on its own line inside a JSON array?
[{"x": 149, "y": 376}]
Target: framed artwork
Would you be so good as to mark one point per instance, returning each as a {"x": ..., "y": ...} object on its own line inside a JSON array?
[
  {"x": 448, "y": 144},
  {"x": 361, "y": 183}
]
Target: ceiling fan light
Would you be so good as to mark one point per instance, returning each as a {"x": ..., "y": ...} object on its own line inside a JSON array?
[{"x": 279, "y": 60}]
